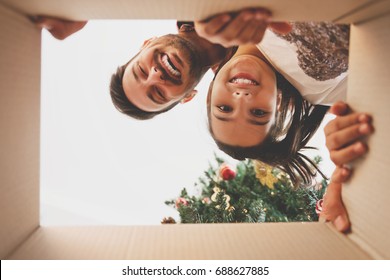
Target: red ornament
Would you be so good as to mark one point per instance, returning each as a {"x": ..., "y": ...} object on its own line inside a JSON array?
[
  {"x": 319, "y": 206},
  {"x": 226, "y": 172},
  {"x": 181, "y": 201}
]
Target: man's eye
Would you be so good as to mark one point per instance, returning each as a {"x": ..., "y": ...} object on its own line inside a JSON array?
[
  {"x": 158, "y": 91},
  {"x": 225, "y": 108},
  {"x": 142, "y": 70},
  {"x": 257, "y": 112}
]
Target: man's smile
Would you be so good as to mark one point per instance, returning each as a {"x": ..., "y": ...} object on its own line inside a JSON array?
[{"x": 170, "y": 67}]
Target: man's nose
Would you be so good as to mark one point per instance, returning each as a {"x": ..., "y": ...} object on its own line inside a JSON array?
[{"x": 155, "y": 75}]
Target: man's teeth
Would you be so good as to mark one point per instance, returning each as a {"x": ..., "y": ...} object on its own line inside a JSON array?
[
  {"x": 243, "y": 81},
  {"x": 171, "y": 68}
]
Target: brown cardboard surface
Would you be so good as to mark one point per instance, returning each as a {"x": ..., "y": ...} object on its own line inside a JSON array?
[
  {"x": 367, "y": 194},
  {"x": 203, "y": 241},
  {"x": 366, "y": 12},
  {"x": 19, "y": 129},
  {"x": 365, "y": 197},
  {"x": 185, "y": 9}
]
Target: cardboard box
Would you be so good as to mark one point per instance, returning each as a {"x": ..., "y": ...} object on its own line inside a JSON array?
[{"x": 22, "y": 237}]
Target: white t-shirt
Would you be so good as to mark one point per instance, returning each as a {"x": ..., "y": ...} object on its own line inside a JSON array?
[{"x": 283, "y": 56}]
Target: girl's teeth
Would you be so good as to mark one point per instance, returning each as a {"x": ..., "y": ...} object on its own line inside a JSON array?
[
  {"x": 244, "y": 81},
  {"x": 170, "y": 67}
]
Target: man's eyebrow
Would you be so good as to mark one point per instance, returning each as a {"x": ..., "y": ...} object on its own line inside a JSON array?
[
  {"x": 224, "y": 119},
  {"x": 135, "y": 75}
]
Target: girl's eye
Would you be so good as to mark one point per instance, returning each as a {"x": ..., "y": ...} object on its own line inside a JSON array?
[
  {"x": 225, "y": 108},
  {"x": 257, "y": 112}
]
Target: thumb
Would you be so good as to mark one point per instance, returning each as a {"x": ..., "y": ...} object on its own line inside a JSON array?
[
  {"x": 43, "y": 22},
  {"x": 340, "y": 108},
  {"x": 341, "y": 175},
  {"x": 280, "y": 27},
  {"x": 342, "y": 223}
]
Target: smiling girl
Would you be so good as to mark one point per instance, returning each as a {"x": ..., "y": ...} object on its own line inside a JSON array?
[{"x": 267, "y": 100}]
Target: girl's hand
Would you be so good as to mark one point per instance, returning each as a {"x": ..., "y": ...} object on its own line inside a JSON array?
[
  {"x": 344, "y": 134},
  {"x": 333, "y": 209},
  {"x": 234, "y": 29}
]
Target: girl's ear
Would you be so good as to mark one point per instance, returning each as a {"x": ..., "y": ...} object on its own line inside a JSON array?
[{"x": 189, "y": 97}]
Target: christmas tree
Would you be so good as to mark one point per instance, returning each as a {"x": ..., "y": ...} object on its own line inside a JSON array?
[{"x": 252, "y": 192}]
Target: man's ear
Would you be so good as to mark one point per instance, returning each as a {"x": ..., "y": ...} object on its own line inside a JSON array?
[
  {"x": 189, "y": 96},
  {"x": 147, "y": 42}
]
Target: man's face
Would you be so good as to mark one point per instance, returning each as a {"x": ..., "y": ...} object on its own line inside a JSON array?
[{"x": 165, "y": 71}]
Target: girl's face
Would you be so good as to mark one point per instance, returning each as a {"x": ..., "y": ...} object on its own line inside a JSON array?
[{"x": 243, "y": 101}]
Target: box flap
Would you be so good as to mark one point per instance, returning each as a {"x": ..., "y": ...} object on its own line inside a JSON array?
[
  {"x": 20, "y": 60},
  {"x": 297, "y": 10},
  {"x": 368, "y": 91},
  {"x": 367, "y": 11},
  {"x": 191, "y": 241}
]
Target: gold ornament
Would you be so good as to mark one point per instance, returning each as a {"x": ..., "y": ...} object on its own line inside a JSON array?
[
  {"x": 264, "y": 174},
  {"x": 214, "y": 198},
  {"x": 214, "y": 195},
  {"x": 227, "y": 200}
]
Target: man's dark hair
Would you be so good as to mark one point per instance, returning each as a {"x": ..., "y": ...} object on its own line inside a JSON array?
[
  {"x": 123, "y": 104},
  {"x": 296, "y": 122}
]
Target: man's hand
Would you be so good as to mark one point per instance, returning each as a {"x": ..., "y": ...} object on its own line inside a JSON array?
[
  {"x": 245, "y": 27},
  {"x": 59, "y": 28},
  {"x": 344, "y": 134}
]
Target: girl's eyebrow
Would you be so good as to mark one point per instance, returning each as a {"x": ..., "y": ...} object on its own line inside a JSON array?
[
  {"x": 224, "y": 119},
  {"x": 257, "y": 122}
]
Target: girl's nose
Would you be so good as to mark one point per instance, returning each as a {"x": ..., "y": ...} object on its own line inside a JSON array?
[{"x": 239, "y": 94}]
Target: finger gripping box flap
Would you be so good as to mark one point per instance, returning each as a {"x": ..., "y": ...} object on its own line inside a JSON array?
[{"x": 365, "y": 197}]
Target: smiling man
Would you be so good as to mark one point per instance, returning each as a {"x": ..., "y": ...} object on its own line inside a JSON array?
[{"x": 164, "y": 73}]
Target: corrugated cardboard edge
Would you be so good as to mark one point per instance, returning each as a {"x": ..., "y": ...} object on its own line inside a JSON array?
[
  {"x": 366, "y": 196},
  {"x": 298, "y": 241},
  {"x": 298, "y": 10},
  {"x": 366, "y": 12},
  {"x": 19, "y": 129}
]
